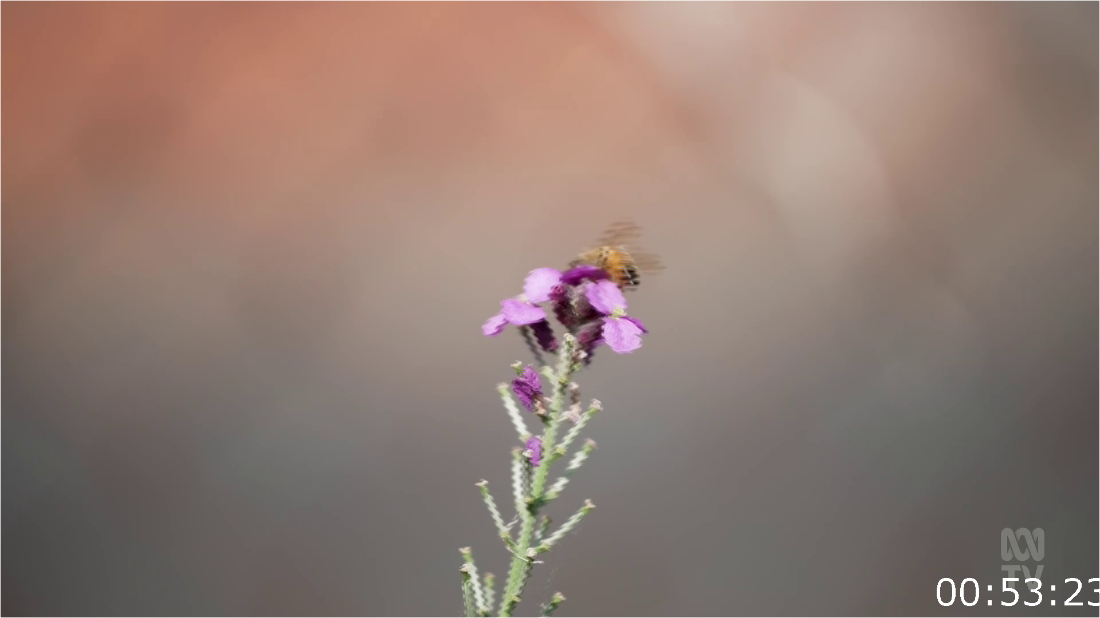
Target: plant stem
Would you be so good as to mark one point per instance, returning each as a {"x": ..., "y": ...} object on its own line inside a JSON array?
[
  {"x": 555, "y": 601},
  {"x": 487, "y": 585},
  {"x": 529, "y": 508},
  {"x": 468, "y": 592}
]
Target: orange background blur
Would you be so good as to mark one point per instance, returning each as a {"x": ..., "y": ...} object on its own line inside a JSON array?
[{"x": 248, "y": 249}]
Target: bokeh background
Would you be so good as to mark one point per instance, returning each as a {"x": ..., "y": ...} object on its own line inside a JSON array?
[{"x": 248, "y": 249}]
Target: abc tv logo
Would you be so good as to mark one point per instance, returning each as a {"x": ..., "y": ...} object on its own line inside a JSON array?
[{"x": 1023, "y": 545}]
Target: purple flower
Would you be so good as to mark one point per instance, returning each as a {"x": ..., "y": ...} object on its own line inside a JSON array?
[
  {"x": 621, "y": 333},
  {"x": 527, "y": 387},
  {"x": 585, "y": 301},
  {"x": 534, "y": 447},
  {"x": 524, "y": 310}
]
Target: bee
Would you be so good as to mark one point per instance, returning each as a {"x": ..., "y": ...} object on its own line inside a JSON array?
[{"x": 617, "y": 254}]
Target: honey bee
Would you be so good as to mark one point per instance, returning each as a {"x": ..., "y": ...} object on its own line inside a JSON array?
[{"x": 617, "y": 254}]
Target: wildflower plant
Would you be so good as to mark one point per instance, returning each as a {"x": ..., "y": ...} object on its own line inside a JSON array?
[{"x": 590, "y": 310}]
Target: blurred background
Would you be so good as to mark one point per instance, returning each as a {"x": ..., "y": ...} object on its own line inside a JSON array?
[{"x": 248, "y": 249}]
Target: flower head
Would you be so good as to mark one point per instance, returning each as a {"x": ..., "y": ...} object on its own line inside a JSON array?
[
  {"x": 534, "y": 448},
  {"x": 527, "y": 387},
  {"x": 585, "y": 301}
]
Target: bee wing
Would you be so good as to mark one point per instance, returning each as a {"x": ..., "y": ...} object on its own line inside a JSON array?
[
  {"x": 625, "y": 233},
  {"x": 648, "y": 263},
  {"x": 620, "y": 233}
]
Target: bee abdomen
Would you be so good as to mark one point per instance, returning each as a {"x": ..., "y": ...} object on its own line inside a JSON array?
[{"x": 630, "y": 276}]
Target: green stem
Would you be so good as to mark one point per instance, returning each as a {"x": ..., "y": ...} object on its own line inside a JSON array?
[
  {"x": 517, "y": 574},
  {"x": 562, "y": 378},
  {"x": 487, "y": 585},
  {"x": 468, "y": 593},
  {"x": 475, "y": 582},
  {"x": 521, "y": 561},
  {"x": 555, "y": 601}
]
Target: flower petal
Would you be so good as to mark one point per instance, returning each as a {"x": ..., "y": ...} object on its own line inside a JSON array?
[
  {"x": 544, "y": 334},
  {"x": 531, "y": 377},
  {"x": 606, "y": 297},
  {"x": 622, "y": 336},
  {"x": 524, "y": 393},
  {"x": 520, "y": 313},
  {"x": 637, "y": 323},
  {"x": 584, "y": 272},
  {"x": 539, "y": 283},
  {"x": 494, "y": 325}
]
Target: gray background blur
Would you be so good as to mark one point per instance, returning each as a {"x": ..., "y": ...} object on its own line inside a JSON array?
[{"x": 248, "y": 248}]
